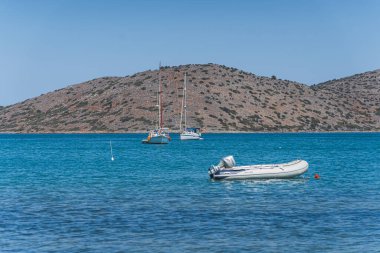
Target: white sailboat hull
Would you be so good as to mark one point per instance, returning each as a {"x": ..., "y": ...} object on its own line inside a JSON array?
[
  {"x": 265, "y": 171},
  {"x": 190, "y": 136}
]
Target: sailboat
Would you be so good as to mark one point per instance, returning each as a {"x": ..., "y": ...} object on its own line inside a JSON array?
[
  {"x": 187, "y": 133},
  {"x": 159, "y": 135}
]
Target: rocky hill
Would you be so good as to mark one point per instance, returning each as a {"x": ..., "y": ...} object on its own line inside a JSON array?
[{"x": 219, "y": 99}]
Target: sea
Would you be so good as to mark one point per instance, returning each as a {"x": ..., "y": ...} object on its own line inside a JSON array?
[{"x": 64, "y": 193}]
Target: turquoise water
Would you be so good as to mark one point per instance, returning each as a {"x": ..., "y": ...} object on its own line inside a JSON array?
[{"x": 62, "y": 193}]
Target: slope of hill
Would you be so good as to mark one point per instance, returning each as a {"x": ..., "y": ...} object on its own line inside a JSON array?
[{"x": 220, "y": 99}]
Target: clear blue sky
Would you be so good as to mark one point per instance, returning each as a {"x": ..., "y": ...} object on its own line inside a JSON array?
[{"x": 50, "y": 44}]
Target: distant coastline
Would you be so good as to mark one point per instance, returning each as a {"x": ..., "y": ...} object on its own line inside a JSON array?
[
  {"x": 221, "y": 99},
  {"x": 205, "y": 133}
]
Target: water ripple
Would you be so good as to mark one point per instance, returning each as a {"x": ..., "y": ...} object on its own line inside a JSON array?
[{"x": 62, "y": 193}]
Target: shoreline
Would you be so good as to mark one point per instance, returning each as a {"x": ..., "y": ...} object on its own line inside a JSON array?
[{"x": 215, "y": 132}]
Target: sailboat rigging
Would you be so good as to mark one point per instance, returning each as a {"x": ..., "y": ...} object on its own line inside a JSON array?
[
  {"x": 160, "y": 135},
  {"x": 187, "y": 133}
]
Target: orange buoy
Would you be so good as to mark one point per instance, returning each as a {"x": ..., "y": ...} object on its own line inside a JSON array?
[{"x": 316, "y": 176}]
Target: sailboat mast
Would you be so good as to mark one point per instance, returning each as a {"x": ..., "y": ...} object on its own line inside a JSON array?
[
  {"x": 184, "y": 91},
  {"x": 183, "y": 96},
  {"x": 158, "y": 106},
  {"x": 160, "y": 98}
]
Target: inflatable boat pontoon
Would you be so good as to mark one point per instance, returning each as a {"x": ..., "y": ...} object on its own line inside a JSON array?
[{"x": 226, "y": 169}]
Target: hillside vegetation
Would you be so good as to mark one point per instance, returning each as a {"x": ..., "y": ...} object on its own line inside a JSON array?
[{"x": 219, "y": 99}]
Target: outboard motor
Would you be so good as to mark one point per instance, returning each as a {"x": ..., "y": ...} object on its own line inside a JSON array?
[
  {"x": 228, "y": 161},
  {"x": 213, "y": 170}
]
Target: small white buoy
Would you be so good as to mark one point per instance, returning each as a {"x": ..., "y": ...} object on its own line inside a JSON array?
[{"x": 112, "y": 158}]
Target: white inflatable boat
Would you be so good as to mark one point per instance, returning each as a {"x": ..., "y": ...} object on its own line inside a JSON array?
[{"x": 226, "y": 169}]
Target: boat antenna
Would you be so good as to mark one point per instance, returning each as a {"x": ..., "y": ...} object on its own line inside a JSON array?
[{"x": 112, "y": 158}]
